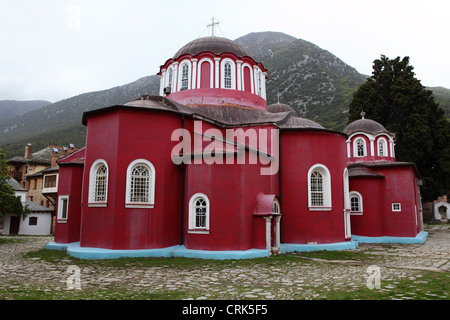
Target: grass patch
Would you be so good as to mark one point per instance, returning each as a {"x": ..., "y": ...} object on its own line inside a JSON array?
[
  {"x": 339, "y": 255},
  {"x": 11, "y": 240},
  {"x": 56, "y": 256},
  {"x": 426, "y": 286}
]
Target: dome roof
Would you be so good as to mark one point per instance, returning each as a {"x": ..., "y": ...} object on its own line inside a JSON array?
[
  {"x": 279, "y": 107},
  {"x": 365, "y": 125},
  {"x": 216, "y": 45}
]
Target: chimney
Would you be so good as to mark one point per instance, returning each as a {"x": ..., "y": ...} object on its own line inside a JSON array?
[
  {"x": 55, "y": 156},
  {"x": 64, "y": 151},
  {"x": 28, "y": 151}
]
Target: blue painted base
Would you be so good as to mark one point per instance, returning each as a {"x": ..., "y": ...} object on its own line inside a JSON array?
[
  {"x": 74, "y": 249},
  {"x": 292, "y": 247},
  {"x": 419, "y": 238}
]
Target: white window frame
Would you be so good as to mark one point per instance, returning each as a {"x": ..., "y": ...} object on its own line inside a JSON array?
[
  {"x": 394, "y": 209},
  {"x": 326, "y": 185},
  {"x": 355, "y": 147},
  {"x": 360, "y": 200},
  {"x": 383, "y": 141},
  {"x": 180, "y": 75},
  {"x": 192, "y": 227},
  {"x": 151, "y": 191},
  {"x": 60, "y": 216},
  {"x": 233, "y": 73},
  {"x": 92, "y": 182}
]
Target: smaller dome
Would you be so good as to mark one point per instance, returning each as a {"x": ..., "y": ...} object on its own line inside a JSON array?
[
  {"x": 216, "y": 45},
  {"x": 279, "y": 107},
  {"x": 365, "y": 125}
]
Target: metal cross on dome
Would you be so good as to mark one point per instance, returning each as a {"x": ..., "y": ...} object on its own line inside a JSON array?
[
  {"x": 212, "y": 24},
  {"x": 362, "y": 114}
]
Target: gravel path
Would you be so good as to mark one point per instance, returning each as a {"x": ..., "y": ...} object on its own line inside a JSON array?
[{"x": 297, "y": 278}]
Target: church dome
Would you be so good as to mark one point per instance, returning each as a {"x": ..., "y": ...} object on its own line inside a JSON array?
[
  {"x": 214, "y": 71},
  {"x": 216, "y": 45},
  {"x": 365, "y": 125},
  {"x": 279, "y": 107}
]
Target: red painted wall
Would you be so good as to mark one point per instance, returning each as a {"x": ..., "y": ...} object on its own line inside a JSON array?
[
  {"x": 69, "y": 183},
  {"x": 205, "y": 79},
  {"x": 232, "y": 190},
  {"x": 378, "y": 219},
  {"x": 400, "y": 188},
  {"x": 371, "y": 222},
  {"x": 300, "y": 150},
  {"x": 120, "y": 137}
]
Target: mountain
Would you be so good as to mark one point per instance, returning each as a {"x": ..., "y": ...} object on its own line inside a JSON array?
[
  {"x": 317, "y": 84},
  {"x": 13, "y": 108},
  {"x": 442, "y": 96},
  {"x": 60, "y": 123}
]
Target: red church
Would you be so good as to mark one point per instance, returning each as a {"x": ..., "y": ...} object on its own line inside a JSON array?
[{"x": 206, "y": 169}]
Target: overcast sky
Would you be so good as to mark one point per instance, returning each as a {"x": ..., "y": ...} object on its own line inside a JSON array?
[{"x": 55, "y": 49}]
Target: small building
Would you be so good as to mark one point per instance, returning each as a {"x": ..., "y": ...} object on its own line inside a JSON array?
[
  {"x": 384, "y": 194},
  {"x": 37, "y": 222}
]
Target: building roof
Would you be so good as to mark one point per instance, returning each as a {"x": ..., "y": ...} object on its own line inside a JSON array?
[
  {"x": 222, "y": 116},
  {"x": 43, "y": 156},
  {"x": 216, "y": 45},
  {"x": 35, "y": 207},
  {"x": 15, "y": 185},
  {"x": 75, "y": 158},
  {"x": 361, "y": 171},
  {"x": 365, "y": 125},
  {"x": 279, "y": 107},
  {"x": 380, "y": 164}
]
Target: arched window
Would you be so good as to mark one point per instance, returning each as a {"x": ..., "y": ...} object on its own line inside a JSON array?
[
  {"x": 382, "y": 147},
  {"x": 259, "y": 83},
  {"x": 356, "y": 203},
  {"x": 316, "y": 189},
  {"x": 170, "y": 78},
  {"x": 98, "y": 183},
  {"x": 140, "y": 187},
  {"x": 276, "y": 207},
  {"x": 227, "y": 75},
  {"x": 199, "y": 213},
  {"x": 319, "y": 188},
  {"x": 185, "y": 77},
  {"x": 360, "y": 147}
]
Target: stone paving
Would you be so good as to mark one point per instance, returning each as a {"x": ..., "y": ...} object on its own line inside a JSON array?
[{"x": 299, "y": 278}]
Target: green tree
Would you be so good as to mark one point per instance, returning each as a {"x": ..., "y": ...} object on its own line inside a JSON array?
[
  {"x": 9, "y": 203},
  {"x": 396, "y": 99}
]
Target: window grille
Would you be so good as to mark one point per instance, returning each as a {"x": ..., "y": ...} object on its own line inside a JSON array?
[
  {"x": 140, "y": 184},
  {"x": 185, "y": 77},
  {"x": 360, "y": 147},
  {"x": 200, "y": 213},
  {"x": 101, "y": 180},
  {"x": 317, "y": 194},
  {"x": 381, "y": 148},
  {"x": 354, "y": 203},
  {"x": 227, "y": 75}
]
